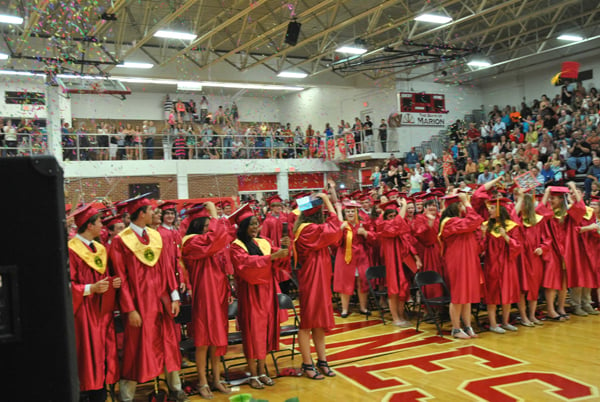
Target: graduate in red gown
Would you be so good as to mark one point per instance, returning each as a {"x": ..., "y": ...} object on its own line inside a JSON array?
[
  {"x": 93, "y": 291},
  {"x": 564, "y": 257},
  {"x": 272, "y": 229},
  {"x": 314, "y": 233},
  {"x": 148, "y": 298},
  {"x": 425, "y": 229},
  {"x": 256, "y": 262},
  {"x": 531, "y": 262},
  {"x": 503, "y": 244},
  {"x": 584, "y": 278},
  {"x": 352, "y": 260},
  {"x": 206, "y": 237},
  {"x": 460, "y": 250},
  {"x": 172, "y": 242},
  {"x": 396, "y": 246},
  {"x": 590, "y": 233}
]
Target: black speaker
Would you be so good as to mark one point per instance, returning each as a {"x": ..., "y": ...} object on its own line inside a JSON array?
[
  {"x": 291, "y": 36},
  {"x": 37, "y": 337}
]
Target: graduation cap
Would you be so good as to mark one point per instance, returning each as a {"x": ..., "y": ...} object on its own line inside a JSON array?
[
  {"x": 309, "y": 205},
  {"x": 391, "y": 193},
  {"x": 135, "y": 203},
  {"x": 389, "y": 205},
  {"x": 225, "y": 203},
  {"x": 168, "y": 205},
  {"x": 112, "y": 220},
  {"x": 366, "y": 197},
  {"x": 559, "y": 190},
  {"x": 351, "y": 204},
  {"x": 355, "y": 194},
  {"x": 450, "y": 199},
  {"x": 275, "y": 199},
  {"x": 243, "y": 212},
  {"x": 83, "y": 214},
  {"x": 301, "y": 195},
  {"x": 197, "y": 211}
]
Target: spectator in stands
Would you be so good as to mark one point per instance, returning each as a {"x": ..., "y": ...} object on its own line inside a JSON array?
[
  {"x": 166, "y": 143},
  {"x": 485, "y": 177},
  {"x": 383, "y": 135},
  {"x": 471, "y": 171},
  {"x": 593, "y": 176},
  {"x": 412, "y": 158},
  {"x": 357, "y": 130},
  {"x": 565, "y": 121},
  {"x": 430, "y": 156},
  {"x": 392, "y": 161},
  {"x": 486, "y": 131},
  {"x": 580, "y": 153},
  {"x": 368, "y": 127},
  {"x": 499, "y": 129},
  {"x": 447, "y": 166},
  {"x": 150, "y": 132}
]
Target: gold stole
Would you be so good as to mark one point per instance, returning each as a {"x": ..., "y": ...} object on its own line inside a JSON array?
[
  {"x": 147, "y": 254},
  {"x": 263, "y": 244},
  {"x": 186, "y": 238},
  {"x": 348, "y": 253},
  {"x": 589, "y": 213},
  {"x": 96, "y": 261},
  {"x": 510, "y": 225}
]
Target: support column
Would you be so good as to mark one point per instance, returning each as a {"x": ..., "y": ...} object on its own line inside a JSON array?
[
  {"x": 53, "y": 126},
  {"x": 183, "y": 189},
  {"x": 283, "y": 185}
]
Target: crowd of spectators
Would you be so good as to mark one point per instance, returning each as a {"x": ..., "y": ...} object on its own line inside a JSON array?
[{"x": 555, "y": 140}]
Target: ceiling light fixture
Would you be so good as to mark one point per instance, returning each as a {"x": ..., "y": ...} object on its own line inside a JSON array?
[
  {"x": 175, "y": 35},
  {"x": 434, "y": 18},
  {"x": 130, "y": 64},
  {"x": 11, "y": 19},
  {"x": 479, "y": 63},
  {"x": 351, "y": 50},
  {"x": 570, "y": 38},
  {"x": 292, "y": 74},
  {"x": 3, "y": 56}
]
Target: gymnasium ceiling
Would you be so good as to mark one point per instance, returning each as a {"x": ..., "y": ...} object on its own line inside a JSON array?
[{"x": 243, "y": 40}]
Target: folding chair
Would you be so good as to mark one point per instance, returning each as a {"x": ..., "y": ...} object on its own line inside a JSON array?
[
  {"x": 286, "y": 303},
  {"x": 233, "y": 338},
  {"x": 375, "y": 277},
  {"x": 423, "y": 279}
]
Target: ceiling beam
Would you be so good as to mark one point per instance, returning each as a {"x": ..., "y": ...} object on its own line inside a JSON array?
[
  {"x": 313, "y": 38},
  {"x": 267, "y": 34},
  {"x": 32, "y": 21},
  {"x": 150, "y": 34},
  {"x": 102, "y": 25},
  {"x": 231, "y": 20}
]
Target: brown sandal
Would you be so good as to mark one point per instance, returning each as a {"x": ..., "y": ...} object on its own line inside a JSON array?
[
  {"x": 255, "y": 383},
  {"x": 205, "y": 392},
  {"x": 222, "y": 387},
  {"x": 266, "y": 380}
]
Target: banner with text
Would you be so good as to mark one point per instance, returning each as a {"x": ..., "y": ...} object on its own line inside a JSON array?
[{"x": 423, "y": 119}]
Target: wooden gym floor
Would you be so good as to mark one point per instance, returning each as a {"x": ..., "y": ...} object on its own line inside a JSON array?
[{"x": 375, "y": 362}]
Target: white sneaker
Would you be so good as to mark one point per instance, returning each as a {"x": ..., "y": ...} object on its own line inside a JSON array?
[
  {"x": 497, "y": 329},
  {"x": 509, "y": 327}
]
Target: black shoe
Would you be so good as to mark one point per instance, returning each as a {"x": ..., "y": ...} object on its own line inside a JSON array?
[
  {"x": 366, "y": 312},
  {"x": 344, "y": 315},
  {"x": 325, "y": 369}
]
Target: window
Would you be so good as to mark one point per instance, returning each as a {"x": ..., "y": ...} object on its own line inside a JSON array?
[{"x": 24, "y": 98}]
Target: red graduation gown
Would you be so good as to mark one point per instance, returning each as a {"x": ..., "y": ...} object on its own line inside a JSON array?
[
  {"x": 591, "y": 240},
  {"x": 344, "y": 273},
  {"x": 210, "y": 285},
  {"x": 314, "y": 276},
  {"x": 395, "y": 245},
  {"x": 258, "y": 308},
  {"x": 153, "y": 346},
  {"x": 272, "y": 229},
  {"x": 500, "y": 267},
  {"x": 428, "y": 248},
  {"x": 97, "y": 359},
  {"x": 531, "y": 265},
  {"x": 460, "y": 250},
  {"x": 565, "y": 255}
]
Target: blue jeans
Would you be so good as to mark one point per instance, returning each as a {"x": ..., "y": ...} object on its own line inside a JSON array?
[{"x": 579, "y": 163}]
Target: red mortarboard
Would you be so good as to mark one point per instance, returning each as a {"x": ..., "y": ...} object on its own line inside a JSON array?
[
  {"x": 82, "y": 215},
  {"x": 133, "y": 204},
  {"x": 253, "y": 202},
  {"x": 418, "y": 194},
  {"x": 243, "y": 212},
  {"x": 390, "y": 193},
  {"x": 168, "y": 205},
  {"x": 351, "y": 204},
  {"x": 450, "y": 199},
  {"x": 111, "y": 220},
  {"x": 197, "y": 211},
  {"x": 595, "y": 199},
  {"x": 376, "y": 202},
  {"x": 224, "y": 203},
  {"x": 499, "y": 201},
  {"x": 274, "y": 199},
  {"x": 389, "y": 205},
  {"x": 365, "y": 197},
  {"x": 558, "y": 190},
  {"x": 355, "y": 194}
]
